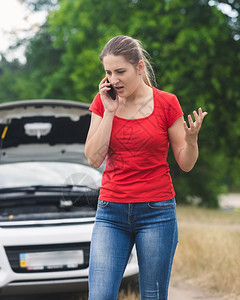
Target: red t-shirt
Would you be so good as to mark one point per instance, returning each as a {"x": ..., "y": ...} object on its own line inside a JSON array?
[{"x": 136, "y": 167}]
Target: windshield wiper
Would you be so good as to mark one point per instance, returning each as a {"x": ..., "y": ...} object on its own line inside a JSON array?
[{"x": 48, "y": 188}]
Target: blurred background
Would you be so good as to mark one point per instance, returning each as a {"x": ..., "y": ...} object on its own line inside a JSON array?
[
  {"x": 49, "y": 49},
  {"x": 52, "y": 51}
]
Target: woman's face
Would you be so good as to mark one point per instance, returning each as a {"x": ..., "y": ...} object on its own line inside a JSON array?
[{"x": 124, "y": 77}]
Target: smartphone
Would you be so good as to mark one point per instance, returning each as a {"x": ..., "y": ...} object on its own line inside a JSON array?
[{"x": 112, "y": 93}]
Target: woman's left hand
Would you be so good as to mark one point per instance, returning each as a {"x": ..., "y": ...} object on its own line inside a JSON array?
[{"x": 191, "y": 132}]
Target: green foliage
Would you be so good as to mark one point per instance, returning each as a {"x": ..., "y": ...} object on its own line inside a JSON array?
[
  {"x": 205, "y": 182},
  {"x": 194, "y": 55},
  {"x": 8, "y": 74}
]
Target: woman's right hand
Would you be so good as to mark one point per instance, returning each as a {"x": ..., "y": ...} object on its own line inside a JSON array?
[{"x": 110, "y": 105}]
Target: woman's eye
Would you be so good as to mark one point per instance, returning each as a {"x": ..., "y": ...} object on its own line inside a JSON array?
[{"x": 120, "y": 72}]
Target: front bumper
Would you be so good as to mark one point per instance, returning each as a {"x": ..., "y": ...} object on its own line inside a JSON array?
[{"x": 12, "y": 283}]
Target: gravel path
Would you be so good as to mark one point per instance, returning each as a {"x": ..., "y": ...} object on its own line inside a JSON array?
[{"x": 180, "y": 290}]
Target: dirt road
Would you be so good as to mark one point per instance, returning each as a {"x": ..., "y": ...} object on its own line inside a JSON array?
[{"x": 180, "y": 290}]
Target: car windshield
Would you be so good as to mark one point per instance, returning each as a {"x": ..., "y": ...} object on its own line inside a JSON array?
[{"x": 47, "y": 174}]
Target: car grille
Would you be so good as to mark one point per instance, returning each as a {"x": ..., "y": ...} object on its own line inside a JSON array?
[{"x": 13, "y": 254}]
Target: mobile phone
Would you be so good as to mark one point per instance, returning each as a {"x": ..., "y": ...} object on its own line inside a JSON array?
[{"x": 112, "y": 93}]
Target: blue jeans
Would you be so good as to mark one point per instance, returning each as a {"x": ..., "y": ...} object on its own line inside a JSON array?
[{"x": 152, "y": 226}]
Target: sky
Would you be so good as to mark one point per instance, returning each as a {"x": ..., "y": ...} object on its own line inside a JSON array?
[{"x": 14, "y": 16}]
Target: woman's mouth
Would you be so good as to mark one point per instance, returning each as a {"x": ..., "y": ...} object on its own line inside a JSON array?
[{"x": 119, "y": 89}]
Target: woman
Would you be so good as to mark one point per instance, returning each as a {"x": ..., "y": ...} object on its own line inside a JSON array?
[{"x": 136, "y": 203}]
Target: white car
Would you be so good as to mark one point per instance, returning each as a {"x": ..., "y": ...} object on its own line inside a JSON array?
[{"x": 48, "y": 197}]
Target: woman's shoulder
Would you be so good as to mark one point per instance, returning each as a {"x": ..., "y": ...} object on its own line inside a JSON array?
[
  {"x": 97, "y": 105},
  {"x": 163, "y": 94},
  {"x": 165, "y": 98},
  {"x": 167, "y": 104}
]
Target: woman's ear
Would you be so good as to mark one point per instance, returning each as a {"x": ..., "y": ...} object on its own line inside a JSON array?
[{"x": 141, "y": 67}]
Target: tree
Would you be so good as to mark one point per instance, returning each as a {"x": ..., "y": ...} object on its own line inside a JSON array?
[
  {"x": 195, "y": 54},
  {"x": 8, "y": 75},
  {"x": 188, "y": 42},
  {"x": 24, "y": 81},
  {"x": 43, "y": 60}
]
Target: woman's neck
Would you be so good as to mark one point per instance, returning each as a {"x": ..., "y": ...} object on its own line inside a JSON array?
[{"x": 142, "y": 93}]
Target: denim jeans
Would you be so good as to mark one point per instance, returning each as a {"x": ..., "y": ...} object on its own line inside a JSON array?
[{"x": 152, "y": 226}]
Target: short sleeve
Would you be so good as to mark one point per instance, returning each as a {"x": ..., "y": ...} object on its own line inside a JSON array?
[
  {"x": 174, "y": 110},
  {"x": 96, "y": 106}
]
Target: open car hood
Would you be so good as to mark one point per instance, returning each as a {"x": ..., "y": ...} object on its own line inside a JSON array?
[{"x": 43, "y": 130}]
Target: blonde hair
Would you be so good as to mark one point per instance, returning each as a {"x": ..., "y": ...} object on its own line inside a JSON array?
[{"x": 132, "y": 50}]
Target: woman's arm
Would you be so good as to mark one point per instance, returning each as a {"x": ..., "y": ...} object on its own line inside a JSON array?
[
  {"x": 97, "y": 143},
  {"x": 98, "y": 139},
  {"x": 183, "y": 140}
]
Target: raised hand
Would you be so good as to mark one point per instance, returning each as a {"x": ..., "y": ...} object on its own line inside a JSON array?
[
  {"x": 191, "y": 132},
  {"x": 109, "y": 104}
]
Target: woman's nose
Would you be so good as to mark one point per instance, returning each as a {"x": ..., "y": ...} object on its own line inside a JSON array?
[{"x": 114, "y": 80}]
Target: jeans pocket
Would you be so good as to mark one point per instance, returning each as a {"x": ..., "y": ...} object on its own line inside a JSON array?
[
  {"x": 162, "y": 204},
  {"x": 102, "y": 203}
]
